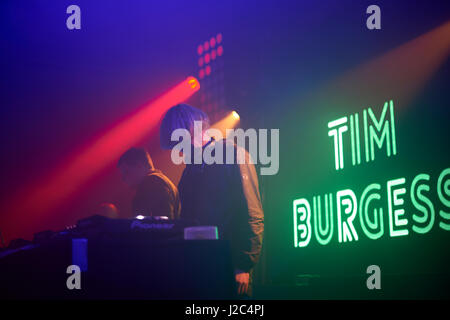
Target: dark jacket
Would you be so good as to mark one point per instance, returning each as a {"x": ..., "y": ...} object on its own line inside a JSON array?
[
  {"x": 156, "y": 195},
  {"x": 226, "y": 196}
]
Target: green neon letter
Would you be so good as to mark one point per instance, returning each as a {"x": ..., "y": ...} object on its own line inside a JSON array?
[
  {"x": 373, "y": 229},
  {"x": 383, "y": 131},
  {"x": 358, "y": 146},
  {"x": 366, "y": 135},
  {"x": 302, "y": 223},
  {"x": 324, "y": 235},
  {"x": 346, "y": 229},
  {"x": 427, "y": 209},
  {"x": 338, "y": 145},
  {"x": 443, "y": 189},
  {"x": 352, "y": 137},
  {"x": 394, "y": 215},
  {"x": 394, "y": 142}
]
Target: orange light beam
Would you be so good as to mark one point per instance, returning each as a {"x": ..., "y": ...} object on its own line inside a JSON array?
[
  {"x": 400, "y": 73},
  {"x": 228, "y": 122}
]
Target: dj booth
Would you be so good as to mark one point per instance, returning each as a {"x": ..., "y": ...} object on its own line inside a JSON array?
[{"x": 118, "y": 259}]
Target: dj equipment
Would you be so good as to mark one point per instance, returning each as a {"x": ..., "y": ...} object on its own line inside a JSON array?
[{"x": 119, "y": 259}]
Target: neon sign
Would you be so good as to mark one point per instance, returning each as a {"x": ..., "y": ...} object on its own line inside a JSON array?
[
  {"x": 315, "y": 219},
  {"x": 375, "y": 132}
]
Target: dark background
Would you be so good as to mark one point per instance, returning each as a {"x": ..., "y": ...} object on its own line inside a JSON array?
[{"x": 292, "y": 65}]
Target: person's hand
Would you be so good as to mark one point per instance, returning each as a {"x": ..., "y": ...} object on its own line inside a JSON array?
[{"x": 242, "y": 280}]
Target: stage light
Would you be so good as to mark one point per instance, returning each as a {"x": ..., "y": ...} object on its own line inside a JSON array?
[
  {"x": 212, "y": 42},
  {"x": 219, "y": 51},
  {"x": 219, "y": 38},
  {"x": 228, "y": 122},
  {"x": 208, "y": 52},
  {"x": 213, "y": 98},
  {"x": 200, "y": 49},
  {"x": 193, "y": 83},
  {"x": 140, "y": 217},
  {"x": 207, "y": 58}
]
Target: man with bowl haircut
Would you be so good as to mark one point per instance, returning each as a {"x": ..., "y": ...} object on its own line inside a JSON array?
[{"x": 223, "y": 195}]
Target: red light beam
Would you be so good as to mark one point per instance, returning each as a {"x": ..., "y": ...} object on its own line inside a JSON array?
[{"x": 51, "y": 191}]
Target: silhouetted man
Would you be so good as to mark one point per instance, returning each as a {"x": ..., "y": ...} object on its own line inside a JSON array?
[
  {"x": 155, "y": 194},
  {"x": 224, "y": 195}
]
